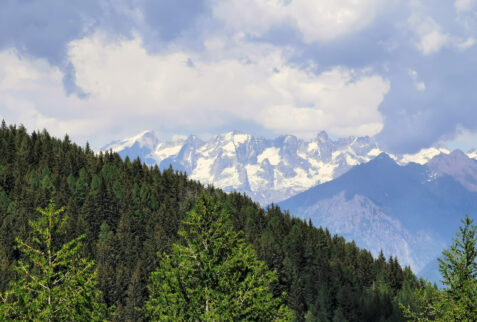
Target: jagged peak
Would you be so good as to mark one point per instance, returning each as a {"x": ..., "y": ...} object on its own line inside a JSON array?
[
  {"x": 455, "y": 155},
  {"x": 322, "y": 136},
  {"x": 148, "y": 138},
  {"x": 384, "y": 157},
  {"x": 458, "y": 153}
]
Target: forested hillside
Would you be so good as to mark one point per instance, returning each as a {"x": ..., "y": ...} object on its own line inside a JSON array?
[{"x": 130, "y": 212}]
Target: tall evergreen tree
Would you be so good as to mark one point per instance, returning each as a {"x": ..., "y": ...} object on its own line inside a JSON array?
[
  {"x": 54, "y": 282},
  {"x": 458, "y": 267},
  {"x": 213, "y": 274}
]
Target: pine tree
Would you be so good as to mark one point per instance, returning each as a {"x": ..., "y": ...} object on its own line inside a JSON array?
[
  {"x": 213, "y": 275},
  {"x": 54, "y": 282}
]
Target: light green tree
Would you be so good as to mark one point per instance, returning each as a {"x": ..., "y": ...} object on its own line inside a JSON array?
[
  {"x": 213, "y": 274},
  {"x": 458, "y": 267},
  {"x": 53, "y": 283}
]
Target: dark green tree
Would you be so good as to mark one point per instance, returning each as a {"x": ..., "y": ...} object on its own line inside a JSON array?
[
  {"x": 142, "y": 207},
  {"x": 213, "y": 274},
  {"x": 54, "y": 283}
]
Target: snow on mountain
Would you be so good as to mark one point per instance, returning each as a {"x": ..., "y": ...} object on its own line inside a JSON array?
[
  {"x": 268, "y": 170},
  {"x": 407, "y": 205},
  {"x": 472, "y": 154},
  {"x": 146, "y": 139},
  {"x": 423, "y": 156},
  {"x": 140, "y": 146}
]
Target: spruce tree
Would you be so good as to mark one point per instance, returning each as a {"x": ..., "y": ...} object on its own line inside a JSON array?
[
  {"x": 54, "y": 282},
  {"x": 458, "y": 268},
  {"x": 213, "y": 274}
]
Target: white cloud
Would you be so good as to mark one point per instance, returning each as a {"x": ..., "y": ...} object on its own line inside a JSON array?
[
  {"x": 430, "y": 37},
  {"x": 31, "y": 93},
  {"x": 316, "y": 20},
  {"x": 464, "y": 5},
  {"x": 338, "y": 100},
  {"x": 420, "y": 86},
  {"x": 252, "y": 84},
  {"x": 463, "y": 139},
  {"x": 243, "y": 82},
  {"x": 465, "y": 44}
]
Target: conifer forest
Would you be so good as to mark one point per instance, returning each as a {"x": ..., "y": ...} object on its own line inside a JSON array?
[{"x": 136, "y": 243}]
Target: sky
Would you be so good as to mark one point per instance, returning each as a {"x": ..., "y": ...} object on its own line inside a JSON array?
[{"x": 402, "y": 71}]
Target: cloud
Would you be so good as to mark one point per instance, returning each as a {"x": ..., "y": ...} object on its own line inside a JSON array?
[
  {"x": 430, "y": 37},
  {"x": 180, "y": 89},
  {"x": 404, "y": 69},
  {"x": 465, "y": 44},
  {"x": 316, "y": 21},
  {"x": 341, "y": 101},
  {"x": 43, "y": 29},
  {"x": 464, "y": 140},
  {"x": 31, "y": 93},
  {"x": 464, "y": 5},
  {"x": 248, "y": 84},
  {"x": 420, "y": 86}
]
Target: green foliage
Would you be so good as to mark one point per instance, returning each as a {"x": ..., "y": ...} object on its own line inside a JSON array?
[
  {"x": 213, "y": 274},
  {"x": 54, "y": 282},
  {"x": 459, "y": 263},
  {"x": 458, "y": 267},
  {"x": 129, "y": 212}
]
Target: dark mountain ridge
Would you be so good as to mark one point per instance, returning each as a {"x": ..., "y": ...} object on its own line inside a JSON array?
[{"x": 417, "y": 199}]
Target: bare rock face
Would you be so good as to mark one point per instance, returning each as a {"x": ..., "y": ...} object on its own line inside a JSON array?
[{"x": 457, "y": 165}]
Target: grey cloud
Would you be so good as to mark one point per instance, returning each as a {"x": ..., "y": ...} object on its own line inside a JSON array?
[
  {"x": 416, "y": 119},
  {"x": 42, "y": 28},
  {"x": 412, "y": 119},
  {"x": 69, "y": 82},
  {"x": 170, "y": 18}
]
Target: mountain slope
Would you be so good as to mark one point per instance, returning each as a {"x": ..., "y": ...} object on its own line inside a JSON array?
[
  {"x": 409, "y": 211},
  {"x": 130, "y": 212}
]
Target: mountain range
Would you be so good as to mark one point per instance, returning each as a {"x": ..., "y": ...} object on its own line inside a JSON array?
[
  {"x": 408, "y": 206},
  {"x": 268, "y": 170}
]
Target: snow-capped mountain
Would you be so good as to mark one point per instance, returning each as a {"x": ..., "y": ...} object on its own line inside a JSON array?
[
  {"x": 268, "y": 170},
  {"x": 410, "y": 211},
  {"x": 407, "y": 205}
]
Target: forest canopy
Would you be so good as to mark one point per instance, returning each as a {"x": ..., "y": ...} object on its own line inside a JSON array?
[{"x": 129, "y": 212}]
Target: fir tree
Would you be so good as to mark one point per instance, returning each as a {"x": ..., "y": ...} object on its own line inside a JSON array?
[
  {"x": 458, "y": 301},
  {"x": 54, "y": 283},
  {"x": 459, "y": 271},
  {"x": 213, "y": 275}
]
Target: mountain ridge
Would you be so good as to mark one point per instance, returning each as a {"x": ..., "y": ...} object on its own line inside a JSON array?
[
  {"x": 268, "y": 170},
  {"x": 412, "y": 208}
]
